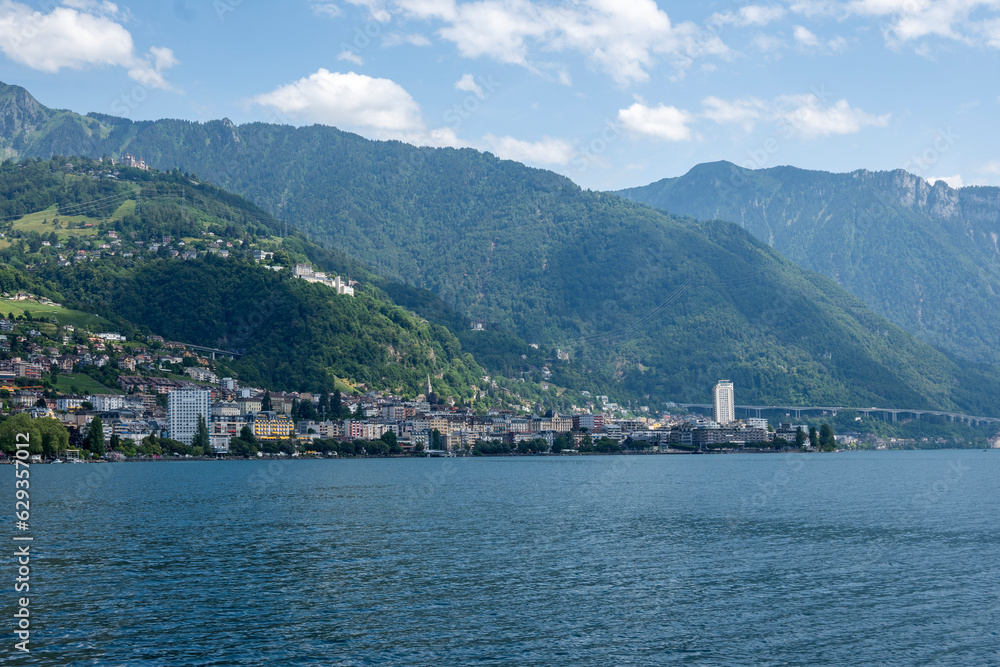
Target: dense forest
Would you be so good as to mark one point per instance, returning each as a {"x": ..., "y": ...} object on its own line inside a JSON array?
[
  {"x": 293, "y": 335},
  {"x": 645, "y": 304},
  {"x": 924, "y": 256}
]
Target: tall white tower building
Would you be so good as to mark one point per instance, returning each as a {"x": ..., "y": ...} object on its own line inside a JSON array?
[
  {"x": 724, "y": 402},
  {"x": 183, "y": 408}
]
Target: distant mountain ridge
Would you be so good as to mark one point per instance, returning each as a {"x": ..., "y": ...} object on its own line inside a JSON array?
[
  {"x": 924, "y": 256},
  {"x": 658, "y": 306}
]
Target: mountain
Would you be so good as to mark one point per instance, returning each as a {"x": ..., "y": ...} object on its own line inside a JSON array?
[
  {"x": 126, "y": 230},
  {"x": 30, "y": 128},
  {"x": 924, "y": 256},
  {"x": 646, "y": 303}
]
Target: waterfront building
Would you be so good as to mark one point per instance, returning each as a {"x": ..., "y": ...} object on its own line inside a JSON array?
[
  {"x": 183, "y": 408},
  {"x": 723, "y": 403}
]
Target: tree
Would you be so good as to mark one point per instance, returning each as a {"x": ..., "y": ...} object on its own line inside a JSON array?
[
  {"x": 201, "y": 438},
  {"x": 151, "y": 446},
  {"x": 265, "y": 404},
  {"x": 813, "y": 438},
  {"x": 336, "y": 407},
  {"x": 116, "y": 442},
  {"x": 561, "y": 442},
  {"x": 282, "y": 258},
  {"x": 827, "y": 440},
  {"x": 246, "y": 435},
  {"x": 240, "y": 447},
  {"x": 14, "y": 430},
  {"x": 95, "y": 437},
  {"x": 389, "y": 438},
  {"x": 54, "y": 435},
  {"x": 436, "y": 440},
  {"x": 800, "y": 437}
]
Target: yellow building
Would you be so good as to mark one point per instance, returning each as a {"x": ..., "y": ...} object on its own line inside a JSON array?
[
  {"x": 441, "y": 424},
  {"x": 271, "y": 426}
]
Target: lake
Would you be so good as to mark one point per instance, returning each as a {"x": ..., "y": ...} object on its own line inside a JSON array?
[{"x": 888, "y": 558}]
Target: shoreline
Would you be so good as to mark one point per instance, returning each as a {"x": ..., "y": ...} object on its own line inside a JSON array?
[{"x": 179, "y": 459}]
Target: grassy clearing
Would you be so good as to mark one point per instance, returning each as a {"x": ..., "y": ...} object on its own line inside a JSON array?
[
  {"x": 344, "y": 387},
  {"x": 127, "y": 208},
  {"x": 84, "y": 384},
  {"x": 36, "y": 222},
  {"x": 63, "y": 315}
]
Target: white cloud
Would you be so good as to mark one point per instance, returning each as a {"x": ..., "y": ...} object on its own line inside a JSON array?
[
  {"x": 443, "y": 137},
  {"x": 816, "y": 7},
  {"x": 623, "y": 39},
  {"x": 991, "y": 168},
  {"x": 351, "y": 57},
  {"x": 806, "y": 116},
  {"x": 149, "y": 71},
  {"x": 750, "y": 15},
  {"x": 347, "y": 99},
  {"x": 745, "y": 112},
  {"x": 768, "y": 43},
  {"x": 903, "y": 21},
  {"x": 990, "y": 31},
  {"x": 395, "y": 39},
  {"x": 376, "y": 9},
  {"x": 661, "y": 122},
  {"x": 93, "y": 6},
  {"x": 80, "y": 34},
  {"x": 468, "y": 84},
  {"x": 546, "y": 151},
  {"x": 759, "y": 15},
  {"x": 377, "y": 108},
  {"x": 805, "y": 37},
  {"x": 809, "y": 41},
  {"x": 326, "y": 9},
  {"x": 837, "y": 44},
  {"x": 951, "y": 181}
]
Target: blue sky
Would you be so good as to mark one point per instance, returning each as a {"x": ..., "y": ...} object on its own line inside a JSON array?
[{"x": 612, "y": 93}]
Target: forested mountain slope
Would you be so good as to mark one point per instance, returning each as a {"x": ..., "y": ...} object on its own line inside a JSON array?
[
  {"x": 924, "y": 256},
  {"x": 660, "y": 306}
]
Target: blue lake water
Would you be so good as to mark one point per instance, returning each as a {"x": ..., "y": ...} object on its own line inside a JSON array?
[{"x": 888, "y": 558}]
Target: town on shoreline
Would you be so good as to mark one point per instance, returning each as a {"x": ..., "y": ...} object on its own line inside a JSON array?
[{"x": 170, "y": 403}]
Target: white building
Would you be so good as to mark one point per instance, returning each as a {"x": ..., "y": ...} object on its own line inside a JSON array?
[
  {"x": 202, "y": 375},
  {"x": 226, "y": 409},
  {"x": 723, "y": 403},
  {"x": 306, "y": 272},
  {"x": 65, "y": 403},
  {"x": 229, "y": 384},
  {"x": 106, "y": 402},
  {"x": 183, "y": 408}
]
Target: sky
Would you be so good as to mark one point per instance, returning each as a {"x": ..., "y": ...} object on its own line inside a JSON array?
[{"x": 611, "y": 93}]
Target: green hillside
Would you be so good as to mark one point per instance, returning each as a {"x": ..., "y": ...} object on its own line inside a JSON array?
[
  {"x": 647, "y": 304},
  {"x": 291, "y": 334},
  {"x": 924, "y": 256}
]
